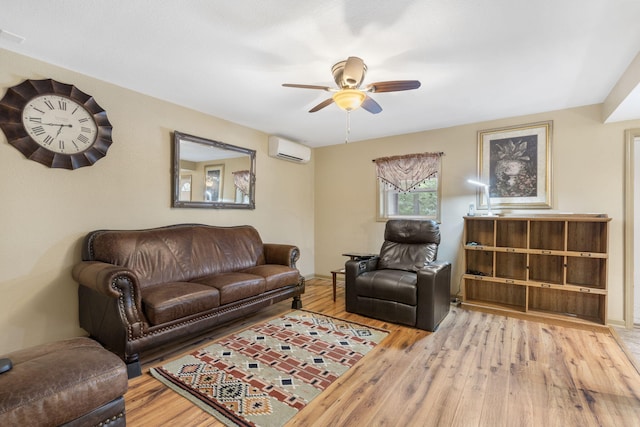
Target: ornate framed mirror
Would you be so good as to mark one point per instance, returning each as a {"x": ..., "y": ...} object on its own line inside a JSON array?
[{"x": 212, "y": 174}]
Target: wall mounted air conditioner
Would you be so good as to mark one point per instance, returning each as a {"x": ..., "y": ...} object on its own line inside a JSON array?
[{"x": 288, "y": 150}]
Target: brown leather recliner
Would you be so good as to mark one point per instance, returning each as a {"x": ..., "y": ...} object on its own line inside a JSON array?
[{"x": 404, "y": 284}]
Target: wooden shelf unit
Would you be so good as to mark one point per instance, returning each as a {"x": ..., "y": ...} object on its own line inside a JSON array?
[{"x": 549, "y": 266}]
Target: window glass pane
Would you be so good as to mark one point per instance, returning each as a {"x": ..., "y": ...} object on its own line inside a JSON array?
[{"x": 421, "y": 202}]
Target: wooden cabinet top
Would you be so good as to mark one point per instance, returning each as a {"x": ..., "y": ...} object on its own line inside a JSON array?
[{"x": 543, "y": 217}]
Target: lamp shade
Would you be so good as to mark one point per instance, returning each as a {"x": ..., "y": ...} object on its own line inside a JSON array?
[{"x": 349, "y": 99}]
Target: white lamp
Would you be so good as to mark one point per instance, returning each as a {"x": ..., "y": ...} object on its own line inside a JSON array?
[{"x": 486, "y": 194}]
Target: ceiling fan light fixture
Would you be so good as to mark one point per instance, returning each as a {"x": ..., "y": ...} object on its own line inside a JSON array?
[{"x": 349, "y": 99}]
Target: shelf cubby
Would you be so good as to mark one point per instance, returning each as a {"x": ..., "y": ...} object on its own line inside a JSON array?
[
  {"x": 588, "y": 272},
  {"x": 573, "y": 304},
  {"x": 546, "y": 268},
  {"x": 547, "y": 235},
  {"x": 511, "y": 265},
  {"x": 510, "y": 296},
  {"x": 587, "y": 237},
  {"x": 479, "y": 262},
  {"x": 481, "y": 232},
  {"x": 511, "y": 234}
]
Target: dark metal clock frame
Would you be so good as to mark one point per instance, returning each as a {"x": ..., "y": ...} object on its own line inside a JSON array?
[{"x": 18, "y": 97}]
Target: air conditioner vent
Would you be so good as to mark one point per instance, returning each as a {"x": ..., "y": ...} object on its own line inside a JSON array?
[{"x": 284, "y": 149}]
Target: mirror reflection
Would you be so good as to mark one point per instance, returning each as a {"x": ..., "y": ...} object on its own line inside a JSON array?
[{"x": 212, "y": 174}]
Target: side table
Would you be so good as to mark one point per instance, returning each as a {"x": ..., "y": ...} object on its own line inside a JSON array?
[
  {"x": 354, "y": 256},
  {"x": 334, "y": 273}
]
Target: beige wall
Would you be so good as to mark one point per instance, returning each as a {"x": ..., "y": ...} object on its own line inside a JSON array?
[
  {"x": 588, "y": 176},
  {"x": 46, "y": 212}
]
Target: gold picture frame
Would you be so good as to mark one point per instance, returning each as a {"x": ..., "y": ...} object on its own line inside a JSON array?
[{"x": 516, "y": 164}]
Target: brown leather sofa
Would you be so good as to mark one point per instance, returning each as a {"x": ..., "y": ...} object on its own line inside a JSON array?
[
  {"x": 405, "y": 284},
  {"x": 73, "y": 382},
  {"x": 140, "y": 289}
]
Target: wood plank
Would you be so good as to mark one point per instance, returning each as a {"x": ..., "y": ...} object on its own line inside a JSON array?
[
  {"x": 493, "y": 407},
  {"x": 477, "y": 369}
]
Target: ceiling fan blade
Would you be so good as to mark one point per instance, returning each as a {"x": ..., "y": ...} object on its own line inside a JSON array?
[
  {"x": 327, "y": 88},
  {"x": 371, "y": 106},
  {"x": 323, "y": 104},
  {"x": 393, "y": 86},
  {"x": 353, "y": 73}
]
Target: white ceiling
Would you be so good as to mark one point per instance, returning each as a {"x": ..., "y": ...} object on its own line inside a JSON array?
[{"x": 477, "y": 59}]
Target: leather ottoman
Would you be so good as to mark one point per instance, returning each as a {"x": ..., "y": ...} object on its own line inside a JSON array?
[{"x": 73, "y": 382}]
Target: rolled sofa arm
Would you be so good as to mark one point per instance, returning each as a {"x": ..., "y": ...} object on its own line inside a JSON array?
[
  {"x": 281, "y": 254},
  {"x": 116, "y": 287}
]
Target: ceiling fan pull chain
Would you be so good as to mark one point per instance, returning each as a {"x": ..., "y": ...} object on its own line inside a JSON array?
[{"x": 348, "y": 131}]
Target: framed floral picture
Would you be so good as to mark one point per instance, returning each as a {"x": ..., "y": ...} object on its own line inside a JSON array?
[{"x": 516, "y": 164}]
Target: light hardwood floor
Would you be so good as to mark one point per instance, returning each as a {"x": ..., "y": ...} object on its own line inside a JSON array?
[{"x": 477, "y": 369}]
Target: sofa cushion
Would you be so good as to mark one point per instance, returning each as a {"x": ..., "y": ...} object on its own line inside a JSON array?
[
  {"x": 276, "y": 276},
  {"x": 170, "y": 301},
  {"x": 235, "y": 286}
]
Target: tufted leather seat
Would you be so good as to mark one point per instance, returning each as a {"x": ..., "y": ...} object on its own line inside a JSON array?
[{"x": 404, "y": 284}]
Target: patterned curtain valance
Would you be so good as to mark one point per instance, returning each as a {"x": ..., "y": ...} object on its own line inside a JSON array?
[
  {"x": 241, "y": 180},
  {"x": 408, "y": 171}
]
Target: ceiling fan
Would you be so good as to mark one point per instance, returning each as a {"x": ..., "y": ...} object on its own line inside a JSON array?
[{"x": 349, "y": 75}]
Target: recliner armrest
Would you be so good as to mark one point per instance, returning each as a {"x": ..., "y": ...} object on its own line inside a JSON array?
[
  {"x": 435, "y": 267},
  {"x": 352, "y": 269},
  {"x": 434, "y": 282}
]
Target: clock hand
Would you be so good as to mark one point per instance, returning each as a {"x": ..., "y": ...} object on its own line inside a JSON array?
[{"x": 58, "y": 124}]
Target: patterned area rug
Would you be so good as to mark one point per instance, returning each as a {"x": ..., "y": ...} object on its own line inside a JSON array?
[{"x": 265, "y": 374}]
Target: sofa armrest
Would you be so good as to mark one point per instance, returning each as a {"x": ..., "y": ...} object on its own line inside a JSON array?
[
  {"x": 281, "y": 254},
  {"x": 111, "y": 282}
]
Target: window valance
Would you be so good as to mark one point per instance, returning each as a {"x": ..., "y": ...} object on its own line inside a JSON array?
[
  {"x": 241, "y": 180},
  {"x": 407, "y": 171}
]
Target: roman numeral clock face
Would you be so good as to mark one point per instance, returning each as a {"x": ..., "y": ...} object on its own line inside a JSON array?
[
  {"x": 59, "y": 124},
  {"x": 55, "y": 124}
]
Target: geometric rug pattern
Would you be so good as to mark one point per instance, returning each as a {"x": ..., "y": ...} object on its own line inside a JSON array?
[{"x": 265, "y": 374}]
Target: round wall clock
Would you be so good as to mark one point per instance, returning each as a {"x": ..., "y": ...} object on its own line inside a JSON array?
[{"x": 55, "y": 124}]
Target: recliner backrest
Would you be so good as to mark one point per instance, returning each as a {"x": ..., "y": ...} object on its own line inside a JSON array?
[{"x": 409, "y": 244}]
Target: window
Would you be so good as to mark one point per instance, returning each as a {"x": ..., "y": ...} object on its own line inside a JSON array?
[{"x": 409, "y": 186}]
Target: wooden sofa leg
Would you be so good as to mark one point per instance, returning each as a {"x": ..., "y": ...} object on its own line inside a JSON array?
[{"x": 296, "y": 303}]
